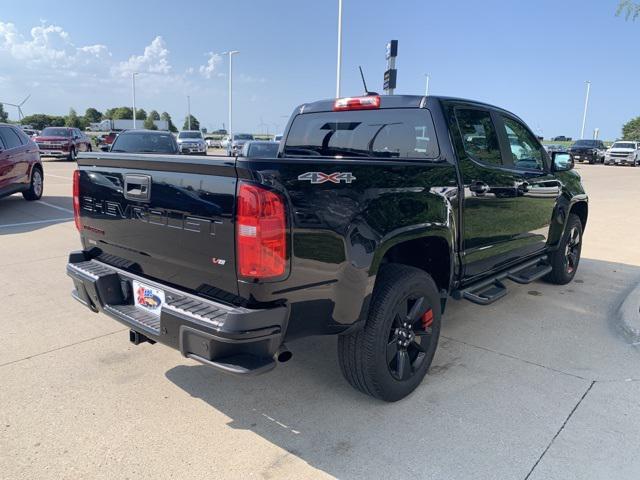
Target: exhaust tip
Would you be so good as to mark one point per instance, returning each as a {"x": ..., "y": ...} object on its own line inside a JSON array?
[{"x": 283, "y": 355}]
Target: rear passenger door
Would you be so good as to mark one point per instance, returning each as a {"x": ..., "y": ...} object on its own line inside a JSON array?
[
  {"x": 537, "y": 188},
  {"x": 491, "y": 220},
  {"x": 15, "y": 165}
]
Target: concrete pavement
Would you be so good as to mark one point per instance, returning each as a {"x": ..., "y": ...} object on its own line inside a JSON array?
[{"x": 540, "y": 385}]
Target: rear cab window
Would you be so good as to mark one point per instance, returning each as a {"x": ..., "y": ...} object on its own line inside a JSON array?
[{"x": 385, "y": 133}]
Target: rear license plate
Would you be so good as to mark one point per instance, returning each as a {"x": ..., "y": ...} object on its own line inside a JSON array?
[{"x": 148, "y": 298}]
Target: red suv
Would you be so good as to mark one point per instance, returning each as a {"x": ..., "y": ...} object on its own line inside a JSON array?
[
  {"x": 20, "y": 165},
  {"x": 62, "y": 142}
]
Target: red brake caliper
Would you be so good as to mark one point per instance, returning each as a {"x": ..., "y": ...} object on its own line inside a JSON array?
[{"x": 427, "y": 319}]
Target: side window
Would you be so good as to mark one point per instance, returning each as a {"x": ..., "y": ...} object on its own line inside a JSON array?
[
  {"x": 479, "y": 136},
  {"x": 9, "y": 138},
  {"x": 525, "y": 149},
  {"x": 23, "y": 136}
]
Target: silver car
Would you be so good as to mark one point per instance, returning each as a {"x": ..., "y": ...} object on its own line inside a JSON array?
[
  {"x": 191, "y": 141},
  {"x": 237, "y": 142}
]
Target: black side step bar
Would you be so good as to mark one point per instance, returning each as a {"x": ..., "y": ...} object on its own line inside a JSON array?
[{"x": 491, "y": 289}]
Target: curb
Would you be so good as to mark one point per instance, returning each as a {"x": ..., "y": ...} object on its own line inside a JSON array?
[{"x": 629, "y": 316}]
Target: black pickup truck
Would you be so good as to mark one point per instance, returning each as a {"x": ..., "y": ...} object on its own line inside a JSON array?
[{"x": 374, "y": 212}]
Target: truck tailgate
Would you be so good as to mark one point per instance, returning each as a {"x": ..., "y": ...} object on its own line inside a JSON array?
[{"x": 163, "y": 217}]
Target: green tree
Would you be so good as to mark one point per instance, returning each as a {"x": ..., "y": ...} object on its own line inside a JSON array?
[
  {"x": 631, "y": 130},
  {"x": 195, "y": 124},
  {"x": 119, "y": 113},
  {"x": 631, "y": 9},
  {"x": 72, "y": 119},
  {"x": 4, "y": 116},
  {"x": 149, "y": 125},
  {"x": 91, "y": 115},
  {"x": 41, "y": 120},
  {"x": 167, "y": 118},
  {"x": 154, "y": 115},
  {"x": 141, "y": 114}
]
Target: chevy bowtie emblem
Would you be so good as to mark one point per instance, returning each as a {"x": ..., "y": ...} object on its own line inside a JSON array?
[{"x": 320, "y": 177}]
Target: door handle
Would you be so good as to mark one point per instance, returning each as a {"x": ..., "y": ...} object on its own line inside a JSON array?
[
  {"x": 479, "y": 187},
  {"x": 137, "y": 187}
]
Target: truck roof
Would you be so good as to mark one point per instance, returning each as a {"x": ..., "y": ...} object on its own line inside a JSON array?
[{"x": 391, "y": 101}]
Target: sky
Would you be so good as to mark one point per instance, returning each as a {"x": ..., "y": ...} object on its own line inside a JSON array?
[{"x": 529, "y": 57}]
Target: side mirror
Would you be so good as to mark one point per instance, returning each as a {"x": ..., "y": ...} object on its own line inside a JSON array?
[{"x": 562, "y": 161}]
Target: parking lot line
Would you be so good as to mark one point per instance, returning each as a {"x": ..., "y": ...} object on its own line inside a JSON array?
[
  {"x": 55, "y": 206},
  {"x": 36, "y": 222},
  {"x": 56, "y": 176}
]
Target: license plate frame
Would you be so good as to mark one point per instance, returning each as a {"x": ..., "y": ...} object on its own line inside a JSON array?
[{"x": 148, "y": 298}]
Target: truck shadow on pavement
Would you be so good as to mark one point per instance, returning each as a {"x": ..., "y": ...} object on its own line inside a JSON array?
[{"x": 504, "y": 374}]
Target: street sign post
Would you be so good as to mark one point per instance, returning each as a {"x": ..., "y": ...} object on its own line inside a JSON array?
[{"x": 391, "y": 74}]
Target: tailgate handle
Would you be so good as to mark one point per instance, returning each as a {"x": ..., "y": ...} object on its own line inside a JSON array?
[{"x": 137, "y": 187}]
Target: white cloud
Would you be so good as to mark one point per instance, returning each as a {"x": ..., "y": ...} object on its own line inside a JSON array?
[
  {"x": 155, "y": 59},
  {"x": 48, "y": 45},
  {"x": 244, "y": 78},
  {"x": 209, "y": 70}
]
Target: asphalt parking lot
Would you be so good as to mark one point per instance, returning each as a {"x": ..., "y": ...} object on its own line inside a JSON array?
[{"x": 539, "y": 385}]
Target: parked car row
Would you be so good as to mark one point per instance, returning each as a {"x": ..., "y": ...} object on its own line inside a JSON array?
[
  {"x": 161, "y": 142},
  {"x": 595, "y": 151}
]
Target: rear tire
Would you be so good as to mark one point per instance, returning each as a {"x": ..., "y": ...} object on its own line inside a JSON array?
[
  {"x": 36, "y": 186},
  {"x": 392, "y": 353},
  {"x": 565, "y": 260}
]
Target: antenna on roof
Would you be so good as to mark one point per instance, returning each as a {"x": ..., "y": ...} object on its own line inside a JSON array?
[{"x": 366, "y": 90}]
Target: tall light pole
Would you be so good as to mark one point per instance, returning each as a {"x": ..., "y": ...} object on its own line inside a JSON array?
[
  {"x": 189, "y": 111},
  {"x": 231, "y": 53},
  {"x": 586, "y": 106},
  {"x": 133, "y": 84},
  {"x": 426, "y": 88},
  {"x": 339, "y": 63}
]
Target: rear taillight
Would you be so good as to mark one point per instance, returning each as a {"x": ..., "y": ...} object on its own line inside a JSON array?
[
  {"x": 260, "y": 233},
  {"x": 76, "y": 199},
  {"x": 357, "y": 103}
]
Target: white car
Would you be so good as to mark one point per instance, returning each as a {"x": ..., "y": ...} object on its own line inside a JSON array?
[
  {"x": 623, "y": 153},
  {"x": 191, "y": 141},
  {"x": 212, "y": 142},
  {"x": 224, "y": 142}
]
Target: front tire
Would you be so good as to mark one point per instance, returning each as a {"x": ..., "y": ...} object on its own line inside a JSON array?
[
  {"x": 391, "y": 354},
  {"x": 36, "y": 186},
  {"x": 565, "y": 260},
  {"x": 72, "y": 155}
]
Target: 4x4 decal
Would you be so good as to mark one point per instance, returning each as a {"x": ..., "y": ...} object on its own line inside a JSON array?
[{"x": 320, "y": 177}]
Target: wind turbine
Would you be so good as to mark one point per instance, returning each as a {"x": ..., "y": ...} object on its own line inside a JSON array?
[
  {"x": 18, "y": 106},
  {"x": 261, "y": 126}
]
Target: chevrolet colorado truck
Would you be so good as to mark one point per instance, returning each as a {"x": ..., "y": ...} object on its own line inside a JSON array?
[{"x": 374, "y": 212}]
